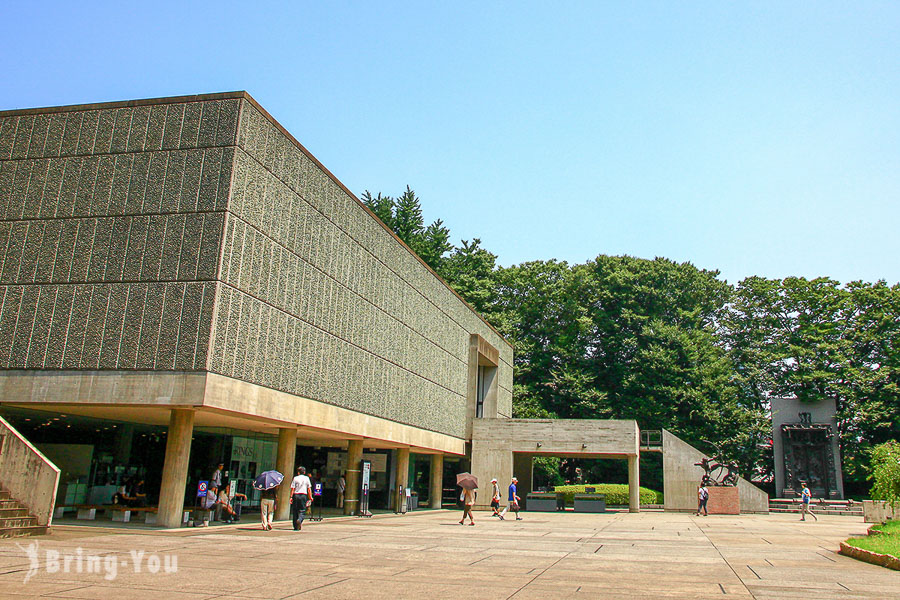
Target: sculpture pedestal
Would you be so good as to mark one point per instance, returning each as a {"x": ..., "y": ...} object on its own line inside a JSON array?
[{"x": 723, "y": 500}]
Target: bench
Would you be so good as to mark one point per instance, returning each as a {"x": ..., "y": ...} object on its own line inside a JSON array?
[
  {"x": 118, "y": 512},
  {"x": 122, "y": 513}
]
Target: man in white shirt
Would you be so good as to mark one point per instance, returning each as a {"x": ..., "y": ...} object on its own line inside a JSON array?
[{"x": 301, "y": 497}]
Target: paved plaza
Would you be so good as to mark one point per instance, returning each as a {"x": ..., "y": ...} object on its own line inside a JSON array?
[{"x": 429, "y": 555}]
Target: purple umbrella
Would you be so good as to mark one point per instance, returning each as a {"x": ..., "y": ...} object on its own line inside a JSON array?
[{"x": 267, "y": 480}]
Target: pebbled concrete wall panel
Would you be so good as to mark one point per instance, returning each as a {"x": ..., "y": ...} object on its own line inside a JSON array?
[
  {"x": 322, "y": 302},
  {"x": 110, "y": 229}
]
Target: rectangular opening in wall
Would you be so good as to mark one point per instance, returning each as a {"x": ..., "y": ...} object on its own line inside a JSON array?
[{"x": 480, "y": 394}]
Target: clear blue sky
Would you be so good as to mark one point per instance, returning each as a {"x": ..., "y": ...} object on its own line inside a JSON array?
[{"x": 755, "y": 140}]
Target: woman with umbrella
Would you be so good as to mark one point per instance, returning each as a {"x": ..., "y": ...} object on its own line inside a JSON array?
[
  {"x": 268, "y": 483},
  {"x": 469, "y": 484}
]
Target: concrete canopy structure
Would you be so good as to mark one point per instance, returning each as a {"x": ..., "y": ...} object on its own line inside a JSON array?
[
  {"x": 503, "y": 448},
  {"x": 186, "y": 263}
]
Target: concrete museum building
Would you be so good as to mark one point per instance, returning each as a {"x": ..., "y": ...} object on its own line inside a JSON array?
[{"x": 182, "y": 284}]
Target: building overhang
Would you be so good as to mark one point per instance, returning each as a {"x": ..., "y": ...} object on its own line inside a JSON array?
[{"x": 147, "y": 397}]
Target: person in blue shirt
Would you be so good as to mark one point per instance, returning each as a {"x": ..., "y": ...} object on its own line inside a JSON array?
[
  {"x": 805, "y": 499},
  {"x": 513, "y": 501}
]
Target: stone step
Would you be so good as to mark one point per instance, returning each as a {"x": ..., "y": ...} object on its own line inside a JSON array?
[
  {"x": 24, "y": 521},
  {"x": 819, "y": 511},
  {"x": 10, "y": 532},
  {"x": 16, "y": 520}
]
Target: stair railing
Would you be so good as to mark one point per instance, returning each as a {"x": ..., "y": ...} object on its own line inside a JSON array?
[{"x": 27, "y": 474}]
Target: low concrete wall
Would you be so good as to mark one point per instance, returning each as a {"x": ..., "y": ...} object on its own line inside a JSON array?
[
  {"x": 878, "y": 511},
  {"x": 27, "y": 474},
  {"x": 681, "y": 477}
]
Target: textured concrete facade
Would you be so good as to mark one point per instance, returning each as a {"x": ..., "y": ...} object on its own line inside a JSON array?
[
  {"x": 195, "y": 234},
  {"x": 110, "y": 229}
]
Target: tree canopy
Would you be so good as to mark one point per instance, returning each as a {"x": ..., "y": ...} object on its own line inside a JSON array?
[{"x": 673, "y": 346}]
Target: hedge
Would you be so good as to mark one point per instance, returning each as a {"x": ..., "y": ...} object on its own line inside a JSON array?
[{"x": 616, "y": 493}]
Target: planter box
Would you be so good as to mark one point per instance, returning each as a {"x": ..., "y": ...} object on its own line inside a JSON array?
[
  {"x": 882, "y": 560},
  {"x": 590, "y": 503},
  {"x": 879, "y": 511},
  {"x": 541, "y": 502}
]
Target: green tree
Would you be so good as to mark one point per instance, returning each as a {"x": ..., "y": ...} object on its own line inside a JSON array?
[
  {"x": 886, "y": 472},
  {"x": 403, "y": 215},
  {"x": 470, "y": 270}
]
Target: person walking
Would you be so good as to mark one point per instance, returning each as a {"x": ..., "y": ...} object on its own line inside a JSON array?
[
  {"x": 341, "y": 487},
  {"x": 805, "y": 499},
  {"x": 495, "y": 497},
  {"x": 468, "y": 502},
  {"x": 702, "y": 499},
  {"x": 301, "y": 497},
  {"x": 215, "y": 484},
  {"x": 267, "y": 501},
  {"x": 513, "y": 501}
]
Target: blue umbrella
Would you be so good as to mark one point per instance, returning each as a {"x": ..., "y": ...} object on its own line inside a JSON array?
[{"x": 267, "y": 480}]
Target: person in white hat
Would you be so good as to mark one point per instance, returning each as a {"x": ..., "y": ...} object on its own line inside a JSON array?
[{"x": 495, "y": 498}]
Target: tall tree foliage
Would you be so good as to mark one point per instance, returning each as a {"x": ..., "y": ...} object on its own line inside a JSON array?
[
  {"x": 404, "y": 217},
  {"x": 818, "y": 340},
  {"x": 673, "y": 346}
]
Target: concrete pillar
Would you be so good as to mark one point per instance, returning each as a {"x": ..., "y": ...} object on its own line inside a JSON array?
[
  {"x": 351, "y": 495},
  {"x": 122, "y": 446},
  {"x": 437, "y": 479},
  {"x": 634, "y": 484},
  {"x": 522, "y": 468},
  {"x": 175, "y": 467},
  {"x": 402, "y": 476},
  {"x": 284, "y": 464}
]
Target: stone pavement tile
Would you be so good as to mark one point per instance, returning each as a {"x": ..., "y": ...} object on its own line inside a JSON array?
[
  {"x": 789, "y": 592},
  {"x": 18, "y": 588},
  {"x": 703, "y": 590},
  {"x": 102, "y": 592},
  {"x": 366, "y": 589},
  {"x": 645, "y": 555},
  {"x": 278, "y": 586}
]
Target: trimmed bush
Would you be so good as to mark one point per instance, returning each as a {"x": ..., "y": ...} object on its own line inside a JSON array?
[{"x": 616, "y": 493}]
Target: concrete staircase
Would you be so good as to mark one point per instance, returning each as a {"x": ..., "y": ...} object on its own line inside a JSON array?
[
  {"x": 824, "y": 507},
  {"x": 15, "y": 521}
]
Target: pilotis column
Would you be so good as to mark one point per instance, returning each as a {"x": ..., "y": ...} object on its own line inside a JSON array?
[
  {"x": 634, "y": 484},
  {"x": 175, "y": 467},
  {"x": 401, "y": 478},
  {"x": 284, "y": 463},
  {"x": 351, "y": 495},
  {"x": 437, "y": 479}
]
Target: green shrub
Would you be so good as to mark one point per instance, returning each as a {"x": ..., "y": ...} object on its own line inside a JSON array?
[
  {"x": 886, "y": 472},
  {"x": 616, "y": 493}
]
